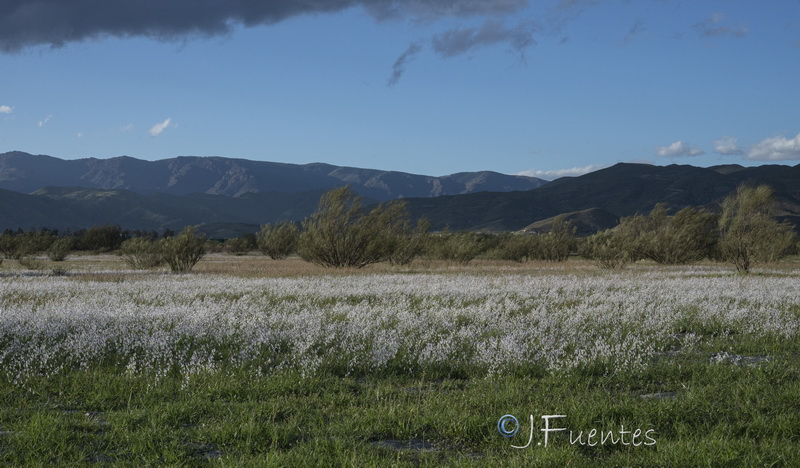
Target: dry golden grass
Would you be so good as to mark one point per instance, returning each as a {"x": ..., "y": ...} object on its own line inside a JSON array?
[{"x": 111, "y": 267}]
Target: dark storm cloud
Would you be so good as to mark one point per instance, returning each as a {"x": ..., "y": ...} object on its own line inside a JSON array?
[
  {"x": 400, "y": 64},
  {"x": 459, "y": 41},
  {"x": 25, "y": 23}
]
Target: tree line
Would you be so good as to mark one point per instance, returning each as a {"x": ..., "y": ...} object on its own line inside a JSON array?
[{"x": 342, "y": 233}]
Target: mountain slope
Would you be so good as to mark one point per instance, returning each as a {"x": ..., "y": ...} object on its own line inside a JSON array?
[
  {"x": 594, "y": 201},
  {"x": 25, "y": 173},
  {"x": 621, "y": 190}
]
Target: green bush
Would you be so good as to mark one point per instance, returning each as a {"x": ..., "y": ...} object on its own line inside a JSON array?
[
  {"x": 9, "y": 244},
  {"x": 518, "y": 247},
  {"x": 100, "y": 238},
  {"x": 459, "y": 247},
  {"x": 340, "y": 234},
  {"x": 409, "y": 244},
  {"x": 688, "y": 236},
  {"x": 240, "y": 245},
  {"x": 556, "y": 245},
  {"x": 141, "y": 253},
  {"x": 59, "y": 249},
  {"x": 278, "y": 241},
  {"x": 610, "y": 248},
  {"x": 748, "y": 232},
  {"x": 182, "y": 252}
]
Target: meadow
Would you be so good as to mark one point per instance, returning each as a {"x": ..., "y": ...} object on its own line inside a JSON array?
[{"x": 255, "y": 362}]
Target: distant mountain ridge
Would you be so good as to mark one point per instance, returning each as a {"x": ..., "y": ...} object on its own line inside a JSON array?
[
  {"x": 621, "y": 190},
  {"x": 26, "y": 173},
  {"x": 594, "y": 201}
]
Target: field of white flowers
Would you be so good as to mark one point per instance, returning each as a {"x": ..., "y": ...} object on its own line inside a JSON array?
[{"x": 398, "y": 323}]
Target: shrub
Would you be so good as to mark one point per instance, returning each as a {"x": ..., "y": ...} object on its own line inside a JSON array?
[
  {"x": 278, "y": 240},
  {"x": 141, "y": 253},
  {"x": 556, "y": 245},
  {"x": 182, "y": 252},
  {"x": 688, "y": 236},
  {"x": 517, "y": 247},
  {"x": 239, "y": 245},
  {"x": 610, "y": 248},
  {"x": 748, "y": 232},
  {"x": 460, "y": 247},
  {"x": 59, "y": 249},
  {"x": 340, "y": 234},
  {"x": 410, "y": 244},
  {"x": 100, "y": 238}
]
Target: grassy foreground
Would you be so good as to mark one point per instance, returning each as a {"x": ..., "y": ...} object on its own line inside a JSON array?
[{"x": 706, "y": 407}]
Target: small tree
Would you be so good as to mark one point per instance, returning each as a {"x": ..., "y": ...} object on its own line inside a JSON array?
[
  {"x": 688, "y": 236},
  {"x": 460, "y": 247},
  {"x": 610, "y": 248},
  {"x": 556, "y": 245},
  {"x": 59, "y": 249},
  {"x": 340, "y": 234},
  {"x": 517, "y": 247},
  {"x": 182, "y": 252},
  {"x": 278, "y": 240},
  {"x": 9, "y": 244},
  {"x": 409, "y": 244},
  {"x": 141, "y": 253},
  {"x": 748, "y": 232}
]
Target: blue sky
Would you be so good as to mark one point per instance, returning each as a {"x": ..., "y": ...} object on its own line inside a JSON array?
[{"x": 544, "y": 88}]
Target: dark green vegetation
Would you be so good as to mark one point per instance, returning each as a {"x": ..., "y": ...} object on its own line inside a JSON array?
[
  {"x": 703, "y": 413},
  {"x": 342, "y": 233}
]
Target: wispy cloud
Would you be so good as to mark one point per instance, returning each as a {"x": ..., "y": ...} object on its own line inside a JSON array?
[
  {"x": 399, "y": 66},
  {"x": 712, "y": 27},
  {"x": 126, "y": 128},
  {"x": 44, "y": 121},
  {"x": 462, "y": 40},
  {"x": 778, "y": 148},
  {"x": 727, "y": 146},
  {"x": 678, "y": 149},
  {"x": 555, "y": 174},
  {"x": 6, "y": 109},
  {"x": 158, "y": 128},
  {"x": 635, "y": 31}
]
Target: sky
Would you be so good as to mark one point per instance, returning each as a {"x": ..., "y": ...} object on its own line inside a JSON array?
[{"x": 541, "y": 88}]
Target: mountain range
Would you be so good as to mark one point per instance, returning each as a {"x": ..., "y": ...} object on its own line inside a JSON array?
[
  {"x": 230, "y": 196},
  {"x": 26, "y": 173}
]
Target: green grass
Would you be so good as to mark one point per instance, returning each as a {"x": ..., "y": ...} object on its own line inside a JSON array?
[{"x": 703, "y": 414}]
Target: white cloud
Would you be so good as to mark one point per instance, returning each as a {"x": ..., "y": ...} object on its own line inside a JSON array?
[
  {"x": 777, "y": 148},
  {"x": 678, "y": 149},
  {"x": 6, "y": 109},
  {"x": 727, "y": 146},
  {"x": 126, "y": 128},
  {"x": 555, "y": 174},
  {"x": 160, "y": 127},
  {"x": 43, "y": 122}
]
